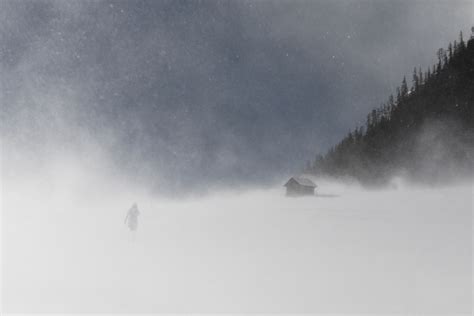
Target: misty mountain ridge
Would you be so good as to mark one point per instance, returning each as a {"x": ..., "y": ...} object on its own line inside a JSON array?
[{"x": 424, "y": 133}]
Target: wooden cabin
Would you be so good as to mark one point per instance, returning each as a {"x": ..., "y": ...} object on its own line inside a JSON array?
[{"x": 298, "y": 186}]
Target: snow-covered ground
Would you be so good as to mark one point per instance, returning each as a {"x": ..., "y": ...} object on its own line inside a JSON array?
[{"x": 65, "y": 249}]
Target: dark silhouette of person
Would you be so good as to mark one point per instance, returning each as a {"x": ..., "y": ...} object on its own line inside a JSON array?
[{"x": 132, "y": 217}]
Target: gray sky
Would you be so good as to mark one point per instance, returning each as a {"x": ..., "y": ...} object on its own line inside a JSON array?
[{"x": 198, "y": 93}]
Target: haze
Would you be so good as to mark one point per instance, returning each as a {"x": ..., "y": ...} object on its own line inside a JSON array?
[
  {"x": 199, "y": 111},
  {"x": 192, "y": 95}
]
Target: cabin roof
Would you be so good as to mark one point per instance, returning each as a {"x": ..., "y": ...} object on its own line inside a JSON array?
[{"x": 302, "y": 181}]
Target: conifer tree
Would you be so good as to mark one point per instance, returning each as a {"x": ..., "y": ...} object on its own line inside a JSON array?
[
  {"x": 441, "y": 55},
  {"x": 462, "y": 45},
  {"x": 415, "y": 81},
  {"x": 399, "y": 96},
  {"x": 404, "y": 88}
]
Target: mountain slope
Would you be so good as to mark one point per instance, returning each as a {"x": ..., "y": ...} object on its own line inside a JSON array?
[{"x": 425, "y": 132}]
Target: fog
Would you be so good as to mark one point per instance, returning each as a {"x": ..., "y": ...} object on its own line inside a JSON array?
[
  {"x": 66, "y": 248},
  {"x": 208, "y": 93},
  {"x": 199, "y": 111}
]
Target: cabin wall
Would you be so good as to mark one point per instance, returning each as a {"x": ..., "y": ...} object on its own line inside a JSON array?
[{"x": 294, "y": 189}]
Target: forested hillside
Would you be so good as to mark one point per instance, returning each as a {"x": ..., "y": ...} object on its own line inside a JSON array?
[{"x": 424, "y": 132}]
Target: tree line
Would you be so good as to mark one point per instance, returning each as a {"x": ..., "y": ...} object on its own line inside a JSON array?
[{"x": 425, "y": 130}]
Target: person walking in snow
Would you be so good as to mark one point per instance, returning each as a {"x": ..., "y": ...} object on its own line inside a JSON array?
[{"x": 131, "y": 220}]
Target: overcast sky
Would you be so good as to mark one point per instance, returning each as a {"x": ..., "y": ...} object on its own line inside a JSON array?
[{"x": 198, "y": 93}]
